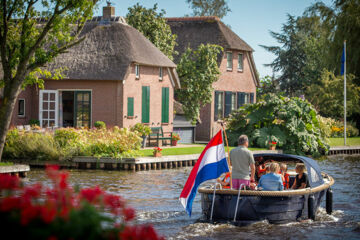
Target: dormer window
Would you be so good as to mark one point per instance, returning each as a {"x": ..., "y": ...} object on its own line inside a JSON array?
[
  {"x": 240, "y": 62},
  {"x": 160, "y": 73},
  {"x": 137, "y": 71},
  {"x": 229, "y": 64}
]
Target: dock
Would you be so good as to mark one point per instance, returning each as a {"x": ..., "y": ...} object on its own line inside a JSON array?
[{"x": 16, "y": 169}]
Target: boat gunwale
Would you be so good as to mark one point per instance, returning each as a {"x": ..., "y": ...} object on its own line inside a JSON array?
[{"x": 284, "y": 193}]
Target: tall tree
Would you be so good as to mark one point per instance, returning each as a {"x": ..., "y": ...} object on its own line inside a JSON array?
[
  {"x": 30, "y": 38},
  {"x": 154, "y": 27},
  {"x": 217, "y": 8},
  {"x": 197, "y": 70}
]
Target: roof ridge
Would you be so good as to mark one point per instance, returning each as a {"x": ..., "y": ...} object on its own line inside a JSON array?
[{"x": 194, "y": 18}]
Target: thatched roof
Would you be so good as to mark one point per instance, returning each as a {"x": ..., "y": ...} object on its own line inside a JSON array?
[
  {"x": 192, "y": 31},
  {"x": 107, "y": 52}
]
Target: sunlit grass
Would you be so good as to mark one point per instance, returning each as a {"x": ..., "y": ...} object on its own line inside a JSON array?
[{"x": 354, "y": 141}]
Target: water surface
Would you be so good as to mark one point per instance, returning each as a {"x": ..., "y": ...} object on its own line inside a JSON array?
[{"x": 154, "y": 194}]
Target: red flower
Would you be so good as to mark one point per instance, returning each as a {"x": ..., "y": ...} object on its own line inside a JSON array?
[
  {"x": 272, "y": 142},
  {"x": 28, "y": 213},
  {"x": 113, "y": 202},
  {"x": 32, "y": 191},
  {"x": 129, "y": 214},
  {"x": 8, "y": 182},
  {"x": 10, "y": 203},
  {"x": 63, "y": 180},
  {"x": 145, "y": 232},
  {"x": 48, "y": 214},
  {"x": 91, "y": 194}
]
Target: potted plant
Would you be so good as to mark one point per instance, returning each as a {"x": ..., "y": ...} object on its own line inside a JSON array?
[
  {"x": 143, "y": 131},
  {"x": 157, "y": 152},
  {"x": 174, "y": 138},
  {"x": 272, "y": 145}
]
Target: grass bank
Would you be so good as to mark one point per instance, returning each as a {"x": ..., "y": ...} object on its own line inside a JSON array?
[
  {"x": 354, "y": 141},
  {"x": 181, "y": 151},
  {"x": 6, "y": 164}
]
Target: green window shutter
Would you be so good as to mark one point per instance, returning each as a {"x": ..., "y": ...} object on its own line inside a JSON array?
[
  {"x": 130, "y": 107},
  {"x": 165, "y": 105},
  {"x": 145, "y": 104}
]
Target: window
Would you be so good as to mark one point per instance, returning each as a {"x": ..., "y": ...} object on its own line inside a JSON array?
[
  {"x": 251, "y": 97},
  {"x": 240, "y": 99},
  {"x": 137, "y": 71},
  {"x": 233, "y": 101},
  {"x": 160, "y": 73},
  {"x": 229, "y": 65},
  {"x": 228, "y": 98},
  {"x": 130, "y": 107},
  {"x": 219, "y": 105},
  {"x": 240, "y": 62},
  {"x": 165, "y": 105},
  {"x": 145, "y": 104},
  {"x": 21, "y": 108},
  {"x": 83, "y": 109},
  {"x": 246, "y": 98}
]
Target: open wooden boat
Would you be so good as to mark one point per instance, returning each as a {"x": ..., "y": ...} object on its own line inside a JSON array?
[{"x": 273, "y": 206}]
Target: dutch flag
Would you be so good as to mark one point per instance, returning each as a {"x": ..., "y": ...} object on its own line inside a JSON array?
[{"x": 210, "y": 165}]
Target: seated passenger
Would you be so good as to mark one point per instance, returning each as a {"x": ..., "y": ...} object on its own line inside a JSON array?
[
  {"x": 271, "y": 181},
  {"x": 301, "y": 179},
  {"x": 285, "y": 176}
]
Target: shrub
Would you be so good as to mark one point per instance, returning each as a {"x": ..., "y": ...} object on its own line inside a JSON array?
[
  {"x": 28, "y": 145},
  {"x": 141, "y": 129},
  {"x": 291, "y": 122},
  {"x": 175, "y": 137},
  {"x": 33, "y": 122},
  {"x": 57, "y": 212},
  {"x": 100, "y": 124},
  {"x": 337, "y": 129}
]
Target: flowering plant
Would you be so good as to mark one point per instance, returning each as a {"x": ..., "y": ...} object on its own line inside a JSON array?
[
  {"x": 60, "y": 212},
  {"x": 175, "y": 137},
  {"x": 272, "y": 143},
  {"x": 157, "y": 149}
]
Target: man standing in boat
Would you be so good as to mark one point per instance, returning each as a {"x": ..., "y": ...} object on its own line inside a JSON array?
[{"x": 243, "y": 164}]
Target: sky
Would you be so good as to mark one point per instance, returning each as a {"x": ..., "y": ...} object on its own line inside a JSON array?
[{"x": 251, "y": 20}]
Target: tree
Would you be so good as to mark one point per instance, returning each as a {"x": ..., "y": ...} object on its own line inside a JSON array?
[
  {"x": 197, "y": 70},
  {"x": 267, "y": 85},
  {"x": 154, "y": 27},
  {"x": 328, "y": 97},
  {"x": 217, "y": 8},
  {"x": 30, "y": 38}
]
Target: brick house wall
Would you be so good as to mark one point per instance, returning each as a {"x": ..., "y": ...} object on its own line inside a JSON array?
[{"x": 229, "y": 80}]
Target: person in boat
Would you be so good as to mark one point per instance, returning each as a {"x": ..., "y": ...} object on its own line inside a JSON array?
[
  {"x": 271, "y": 181},
  {"x": 242, "y": 160},
  {"x": 284, "y": 175},
  {"x": 225, "y": 180},
  {"x": 301, "y": 179}
]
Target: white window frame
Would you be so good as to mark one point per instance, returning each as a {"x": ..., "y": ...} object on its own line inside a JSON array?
[
  {"x": 56, "y": 107},
  {"x": 21, "y": 115},
  {"x": 160, "y": 73},
  {"x": 241, "y": 67},
  {"x": 137, "y": 71},
  {"x": 233, "y": 101},
  {"x": 227, "y": 61}
]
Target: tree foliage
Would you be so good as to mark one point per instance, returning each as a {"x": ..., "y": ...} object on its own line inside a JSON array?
[
  {"x": 30, "y": 38},
  {"x": 328, "y": 95},
  {"x": 197, "y": 70},
  {"x": 217, "y": 8},
  {"x": 267, "y": 85},
  {"x": 291, "y": 122},
  {"x": 154, "y": 27}
]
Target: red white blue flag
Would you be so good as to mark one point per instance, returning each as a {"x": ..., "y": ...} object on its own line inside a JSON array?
[{"x": 210, "y": 165}]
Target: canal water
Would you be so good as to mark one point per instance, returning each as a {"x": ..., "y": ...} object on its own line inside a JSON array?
[{"x": 154, "y": 194}]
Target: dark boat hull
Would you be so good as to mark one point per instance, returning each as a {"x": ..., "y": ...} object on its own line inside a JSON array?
[{"x": 281, "y": 209}]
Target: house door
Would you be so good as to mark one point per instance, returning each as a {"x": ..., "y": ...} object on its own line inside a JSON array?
[
  {"x": 82, "y": 109},
  {"x": 48, "y": 108}
]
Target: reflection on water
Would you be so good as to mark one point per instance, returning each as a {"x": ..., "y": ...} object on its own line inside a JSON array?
[{"x": 155, "y": 196}]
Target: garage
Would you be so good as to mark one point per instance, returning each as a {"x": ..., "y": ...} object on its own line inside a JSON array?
[{"x": 184, "y": 128}]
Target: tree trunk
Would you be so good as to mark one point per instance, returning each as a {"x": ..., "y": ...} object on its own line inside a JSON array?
[{"x": 7, "y": 105}]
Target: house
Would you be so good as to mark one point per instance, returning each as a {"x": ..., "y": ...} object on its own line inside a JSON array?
[
  {"x": 238, "y": 79},
  {"x": 114, "y": 75}
]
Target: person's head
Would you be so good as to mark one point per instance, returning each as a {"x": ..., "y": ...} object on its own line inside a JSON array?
[
  {"x": 267, "y": 167},
  {"x": 300, "y": 168},
  {"x": 283, "y": 167},
  {"x": 243, "y": 141},
  {"x": 274, "y": 167}
]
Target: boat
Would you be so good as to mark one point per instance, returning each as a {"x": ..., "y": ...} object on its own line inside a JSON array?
[{"x": 277, "y": 207}]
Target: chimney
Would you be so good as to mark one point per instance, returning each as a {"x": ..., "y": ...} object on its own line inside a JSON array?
[{"x": 108, "y": 11}]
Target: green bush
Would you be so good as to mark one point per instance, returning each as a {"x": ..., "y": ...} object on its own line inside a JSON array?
[
  {"x": 39, "y": 146},
  {"x": 291, "y": 122},
  {"x": 33, "y": 122},
  {"x": 99, "y": 124},
  {"x": 141, "y": 129}
]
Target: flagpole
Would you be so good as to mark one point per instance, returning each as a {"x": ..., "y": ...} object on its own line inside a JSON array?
[
  {"x": 228, "y": 159},
  {"x": 345, "y": 93}
]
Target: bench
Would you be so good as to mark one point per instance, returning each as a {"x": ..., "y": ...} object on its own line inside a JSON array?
[{"x": 158, "y": 134}]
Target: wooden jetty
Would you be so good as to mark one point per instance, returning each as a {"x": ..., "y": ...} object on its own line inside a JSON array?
[
  {"x": 16, "y": 169},
  {"x": 344, "y": 150}
]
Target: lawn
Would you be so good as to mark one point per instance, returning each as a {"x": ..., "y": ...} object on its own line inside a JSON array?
[
  {"x": 354, "y": 141},
  {"x": 181, "y": 151}
]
